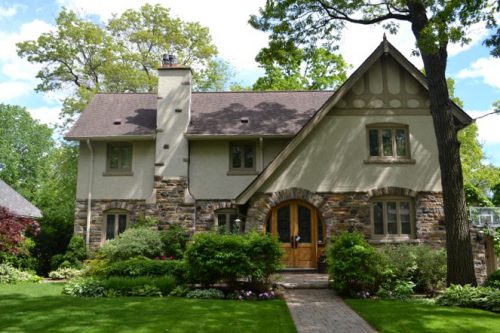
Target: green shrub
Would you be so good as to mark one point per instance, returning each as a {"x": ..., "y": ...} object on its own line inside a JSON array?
[
  {"x": 355, "y": 267},
  {"x": 119, "y": 286},
  {"x": 84, "y": 287},
  {"x": 76, "y": 253},
  {"x": 24, "y": 259},
  {"x": 400, "y": 290},
  {"x": 431, "y": 273},
  {"x": 95, "y": 267},
  {"x": 493, "y": 280},
  {"x": 10, "y": 274},
  {"x": 124, "y": 286},
  {"x": 147, "y": 267},
  {"x": 135, "y": 242},
  {"x": 213, "y": 257},
  {"x": 180, "y": 291},
  {"x": 206, "y": 294},
  {"x": 174, "y": 241},
  {"x": 64, "y": 273},
  {"x": 471, "y": 297}
]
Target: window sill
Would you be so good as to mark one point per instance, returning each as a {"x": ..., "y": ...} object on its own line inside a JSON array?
[
  {"x": 117, "y": 173},
  {"x": 242, "y": 173},
  {"x": 389, "y": 161},
  {"x": 393, "y": 240}
]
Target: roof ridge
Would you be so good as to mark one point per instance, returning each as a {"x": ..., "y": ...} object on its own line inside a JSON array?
[{"x": 262, "y": 91}]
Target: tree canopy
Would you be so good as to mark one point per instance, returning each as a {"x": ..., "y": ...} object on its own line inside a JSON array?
[
  {"x": 122, "y": 55},
  {"x": 435, "y": 24}
]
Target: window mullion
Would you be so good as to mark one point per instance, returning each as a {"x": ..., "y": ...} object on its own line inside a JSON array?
[
  {"x": 384, "y": 217},
  {"x": 398, "y": 218},
  {"x": 380, "y": 143},
  {"x": 393, "y": 143}
]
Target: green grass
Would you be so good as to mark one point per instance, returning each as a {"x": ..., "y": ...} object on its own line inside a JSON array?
[
  {"x": 42, "y": 308},
  {"x": 408, "y": 317}
]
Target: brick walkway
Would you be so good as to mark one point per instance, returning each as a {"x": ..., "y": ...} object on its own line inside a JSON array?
[{"x": 320, "y": 310}]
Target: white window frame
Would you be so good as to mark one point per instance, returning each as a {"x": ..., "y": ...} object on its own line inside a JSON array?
[
  {"x": 379, "y": 127},
  {"x": 227, "y": 212}
]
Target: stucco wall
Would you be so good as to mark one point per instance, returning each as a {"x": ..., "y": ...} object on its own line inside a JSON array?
[
  {"x": 138, "y": 186},
  {"x": 209, "y": 166},
  {"x": 331, "y": 158}
]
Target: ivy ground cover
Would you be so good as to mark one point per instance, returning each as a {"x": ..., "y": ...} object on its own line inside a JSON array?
[
  {"x": 42, "y": 308},
  {"x": 390, "y": 316}
]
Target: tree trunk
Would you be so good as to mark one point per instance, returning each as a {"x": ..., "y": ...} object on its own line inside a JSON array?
[{"x": 458, "y": 241}]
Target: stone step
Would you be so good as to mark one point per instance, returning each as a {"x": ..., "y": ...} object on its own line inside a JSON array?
[{"x": 288, "y": 280}]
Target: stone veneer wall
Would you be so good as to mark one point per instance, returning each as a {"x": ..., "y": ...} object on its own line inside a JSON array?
[
  {"x": 171, "y": 207},
  {"x": 206, "y": 211}
]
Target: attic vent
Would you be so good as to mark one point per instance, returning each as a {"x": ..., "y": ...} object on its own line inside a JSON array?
[
  {"x": 244, "y": 120},
  {"x": 117, "y": 122}
]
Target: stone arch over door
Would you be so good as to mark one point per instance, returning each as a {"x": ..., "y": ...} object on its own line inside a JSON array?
[{"x": 260, "y": 206}]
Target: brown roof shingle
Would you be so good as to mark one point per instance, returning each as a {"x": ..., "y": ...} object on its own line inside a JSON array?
[{"x": 215, "y": 113}]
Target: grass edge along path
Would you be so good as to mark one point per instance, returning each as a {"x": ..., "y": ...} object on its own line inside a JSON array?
[
  {"x": 42, "y": 308},
  {"x": 390, "y": 316}
]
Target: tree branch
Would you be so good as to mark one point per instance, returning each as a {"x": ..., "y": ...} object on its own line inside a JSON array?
[{"x": 336, "y": 14}]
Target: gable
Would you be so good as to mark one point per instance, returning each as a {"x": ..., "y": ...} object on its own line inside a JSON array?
[
  {"x": 375, "y": 88},
  {"x": 385, "y": 85}
]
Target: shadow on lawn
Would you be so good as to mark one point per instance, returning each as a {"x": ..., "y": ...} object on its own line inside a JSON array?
[
  {"x": 389, "y": 316},
  {"x": 22, "y": 313}
]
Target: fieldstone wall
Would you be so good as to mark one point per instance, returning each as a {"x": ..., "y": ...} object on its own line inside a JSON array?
[
  {"x": 206, "y": 211},
  {"x": 174, "y": 204},
  {"x": 479, "y": 253},
  {"x": 98, "y": 208}
]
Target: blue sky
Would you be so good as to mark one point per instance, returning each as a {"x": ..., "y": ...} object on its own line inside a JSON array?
[{"x": 476, "y": 73}]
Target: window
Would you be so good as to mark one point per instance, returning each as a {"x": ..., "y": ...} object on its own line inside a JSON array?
[
  {"x": 226, "y": 221},
  {"x": 392, "y": 217},
  {"x": 242, "y": 157},
  {"x": 119, "y": 159},
  {"x": 115, "y": 222},
  {"x": 388, "y": 142}
]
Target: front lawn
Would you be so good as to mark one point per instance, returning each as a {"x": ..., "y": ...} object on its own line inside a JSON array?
[
  {"x": 42, "y": 308},
  {"x": 408, "y": 317}
]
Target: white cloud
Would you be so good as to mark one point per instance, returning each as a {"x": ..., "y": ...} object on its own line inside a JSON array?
[
  {"x": 8, "y": 11},
  {"x": 484, "y": 68},
  {"x": 46, "y": 115},
  {"x": 27, "y": 31},
  {"x": 14, "y": 89},
  {"x": 488, "y": 126}
]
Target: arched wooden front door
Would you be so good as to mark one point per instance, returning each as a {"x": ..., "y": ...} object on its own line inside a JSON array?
[{"x": 296, "y": 225}]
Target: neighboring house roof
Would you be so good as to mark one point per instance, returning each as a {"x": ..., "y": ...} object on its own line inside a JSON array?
[
  {"x": 461, "y": 118},
  {"x": 117, "y": 115},
  {"x": 16, "y": 203},
  {"x": 281, "y": 113},
  {"x": 253, "y": 113}
]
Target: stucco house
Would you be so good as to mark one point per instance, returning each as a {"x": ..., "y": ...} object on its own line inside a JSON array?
[{"x": 303, "y": 165}]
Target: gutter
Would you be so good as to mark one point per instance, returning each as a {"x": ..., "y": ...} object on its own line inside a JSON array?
[{"x": 89, "y": 198}]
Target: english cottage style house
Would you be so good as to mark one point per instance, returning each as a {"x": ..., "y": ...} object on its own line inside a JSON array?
[{"x": 302, "y": 165}]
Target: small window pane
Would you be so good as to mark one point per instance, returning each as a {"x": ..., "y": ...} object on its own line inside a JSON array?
[
  {"x": 387, "y": 142},
  {"x": 392, "y": 222},
  {"x": 126, "y": 154},
  {"x": 236, "y": 157},
  {"x": 110, "y": 227},
  {"x": 249, "y": 152},
  {"x": 284, "y": 224},
  {"x": 122, "y": 223},
  {"x": 401, "y": 142},
  {"x": 304, "y": 215},
  {"x": 404, "y": 215},
  {"x": 114, "y": 156},
  {"x": 378, "y": 218},
  {"x": 221, "y": 220},
  {"x": 374, "y": 147},
  {"x": 268, "y": 226}
]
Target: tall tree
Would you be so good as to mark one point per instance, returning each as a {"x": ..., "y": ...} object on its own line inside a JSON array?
[
  {"x": 84, "y": 57},
  {"x": 25, "y": 145},
  {"x": 434, "y": 23},
  {"x": 288, "y": 67}
]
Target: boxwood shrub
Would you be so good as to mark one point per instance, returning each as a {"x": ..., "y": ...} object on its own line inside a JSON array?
[
  {"x": 213, "y": 257},
  {"x": 147, "y": 267},
  {"x": 134, "y": 242}
]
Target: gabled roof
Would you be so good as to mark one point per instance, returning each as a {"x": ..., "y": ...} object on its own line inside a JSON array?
[
  {"x": 276, "y": 113},
  {"x": 16, "y": 203},
  {"x": 461, "y": 118}
]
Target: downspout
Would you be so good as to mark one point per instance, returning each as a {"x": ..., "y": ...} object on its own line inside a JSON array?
[{"x": 89, "y": 198}]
